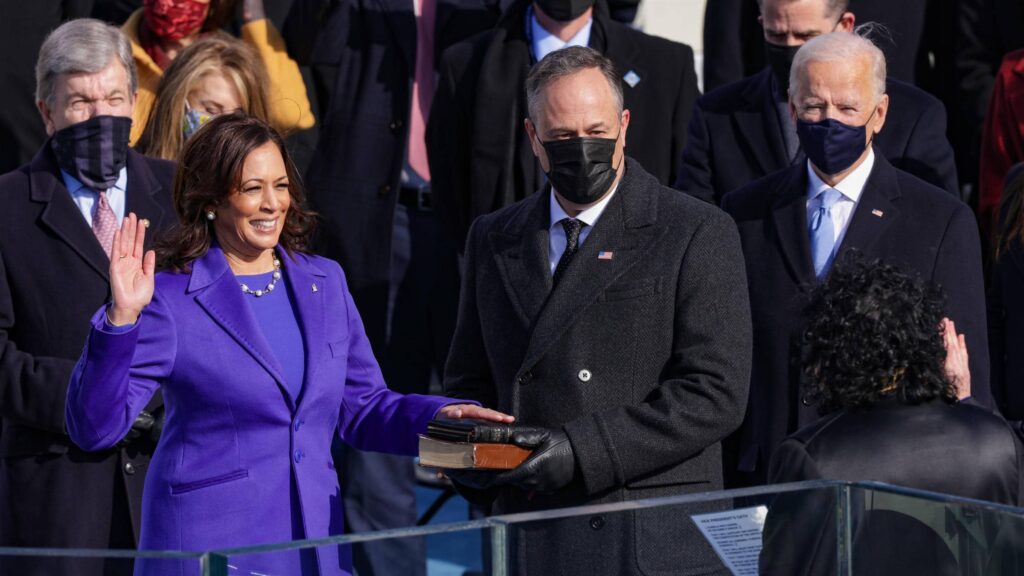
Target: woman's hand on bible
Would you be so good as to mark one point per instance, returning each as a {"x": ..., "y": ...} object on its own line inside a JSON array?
[
  {"x": 131, "y": 272},
  {"x": 473, "y": 412}
]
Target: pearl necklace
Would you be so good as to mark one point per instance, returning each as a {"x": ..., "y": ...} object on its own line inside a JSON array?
[{"x": 270, "y": 287}]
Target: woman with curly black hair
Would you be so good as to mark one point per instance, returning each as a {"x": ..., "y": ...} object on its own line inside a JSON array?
[
  {"x": 886, "y": 368},
  {"x": 883, "y": 363}
]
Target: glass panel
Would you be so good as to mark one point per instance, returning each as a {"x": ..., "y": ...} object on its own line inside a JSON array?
[
  {"x": 719, "y": 533},
  {"x": 112, "y": 562},
  {"x": 451, "y": 550},
  {"x": 899, "y": 531}
]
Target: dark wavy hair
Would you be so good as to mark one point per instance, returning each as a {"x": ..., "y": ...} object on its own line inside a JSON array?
[
  {"x": 209, "y": 171},
  {"x": 871, "y": 330}
]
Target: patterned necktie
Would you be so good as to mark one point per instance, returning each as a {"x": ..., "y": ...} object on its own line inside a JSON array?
[
  {"x": 572, "y": 243},
  {"x": 104, "y": 223},
  {"x": 823, "y": 232}
]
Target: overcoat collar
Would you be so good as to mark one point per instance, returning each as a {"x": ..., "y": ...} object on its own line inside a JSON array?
[
  {"x": 61, "y": 216},
  {"x": 876, "y": 211},
  {"x": 520, "y": 248},
  {"x": 218, "y": 294}
]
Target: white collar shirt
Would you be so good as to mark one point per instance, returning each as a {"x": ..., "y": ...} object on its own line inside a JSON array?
[
  {"x": 85, "y": 197},
  {"x": 850, "y": 190},
  {"x": 556, "y": 233},
  {"x": 545, "y": 42}
]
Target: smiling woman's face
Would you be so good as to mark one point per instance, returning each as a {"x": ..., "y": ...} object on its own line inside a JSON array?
[{"x": 249, "y": 223}]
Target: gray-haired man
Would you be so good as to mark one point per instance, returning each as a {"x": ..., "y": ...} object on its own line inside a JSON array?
[
  {"x": 610, "y": 312},
  {"x": 55, "y": 232}
]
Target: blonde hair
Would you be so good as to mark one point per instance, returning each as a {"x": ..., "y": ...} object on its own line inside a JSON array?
[{"x": 217, "y": 52}]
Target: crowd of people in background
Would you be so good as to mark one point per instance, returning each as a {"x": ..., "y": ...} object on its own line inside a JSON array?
[{"x": 511, "y": 188}]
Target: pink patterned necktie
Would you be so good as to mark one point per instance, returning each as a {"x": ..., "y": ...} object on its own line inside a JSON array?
[
  {"x": 104, "y": 223},
  {"x": 422, "y": 87}
]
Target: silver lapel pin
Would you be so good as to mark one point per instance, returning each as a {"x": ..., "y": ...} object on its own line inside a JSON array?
[{"x": 314, "y": 287}]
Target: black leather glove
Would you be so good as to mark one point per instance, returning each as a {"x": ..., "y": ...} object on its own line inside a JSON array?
[{"x": 551, "y": 467}]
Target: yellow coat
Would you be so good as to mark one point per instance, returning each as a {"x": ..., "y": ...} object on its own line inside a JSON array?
[{"x": 289, "y": 106}]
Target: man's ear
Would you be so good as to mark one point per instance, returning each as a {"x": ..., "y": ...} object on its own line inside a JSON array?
[
  {"x": 535, "y": 145},
  {"x": 47, "y": 116}
]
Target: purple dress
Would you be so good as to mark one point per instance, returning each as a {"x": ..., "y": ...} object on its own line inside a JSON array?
[{"x": 241, "y": 453}]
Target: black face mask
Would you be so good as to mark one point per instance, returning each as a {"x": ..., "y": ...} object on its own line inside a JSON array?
[
  {"x": 581, "y": 168},
  {"x": 94, "y": 151},
  {"x": 780, "y": 60},
  {"x": 831, "y": 145},
  {"x": 564, "y": 10}
]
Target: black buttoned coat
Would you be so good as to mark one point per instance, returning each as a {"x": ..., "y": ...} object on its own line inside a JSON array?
[
  {"x": 899, "y": 219},
  {"x": 642, "y": 356},
  {"x": 53, "y": 277}
]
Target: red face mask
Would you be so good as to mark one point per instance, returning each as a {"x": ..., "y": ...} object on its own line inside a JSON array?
[{"x": 174, "y": 19}]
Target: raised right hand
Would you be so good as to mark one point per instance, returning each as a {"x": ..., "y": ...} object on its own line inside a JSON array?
[{"x": 131, "y": 272}]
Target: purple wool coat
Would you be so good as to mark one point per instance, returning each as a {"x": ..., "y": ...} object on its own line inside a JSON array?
[{"x": 240, "y": 460}]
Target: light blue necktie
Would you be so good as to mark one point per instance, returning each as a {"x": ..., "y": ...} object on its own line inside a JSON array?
[{"x": 822, "y": 228}]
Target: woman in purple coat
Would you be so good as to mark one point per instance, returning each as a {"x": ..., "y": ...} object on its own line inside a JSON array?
[{"x": 261, "y": 358}]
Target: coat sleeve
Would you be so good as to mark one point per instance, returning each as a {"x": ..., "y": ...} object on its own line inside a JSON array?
[
  {"x": 373, "y": 417},
  {"x": 996, "y": 316},
  {"x": 117, "y": 374},
  {"x": 288, "y": 104},
  {"x": 32, "y": 388},
  {"x": 695, "y": 175},
  {"x": 703, "y": 393},
  {"x": 685, "y": 109},
  {"x": 958, "y": 272}
]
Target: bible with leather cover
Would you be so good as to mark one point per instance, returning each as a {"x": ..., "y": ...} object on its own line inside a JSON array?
[{"x": 460, "y": 444}]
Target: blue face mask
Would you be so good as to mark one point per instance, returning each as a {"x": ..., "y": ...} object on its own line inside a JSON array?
[
  {"x": 193, "y": 120},
  {"x": 831, "y": 145}
]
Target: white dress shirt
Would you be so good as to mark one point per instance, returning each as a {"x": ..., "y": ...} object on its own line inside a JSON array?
[
  {"x": 556, "y": 233},
  {"x": 545, "y": 42},
  {"x": 850, "y": 189},
  {"x": 85, "y": 197}
]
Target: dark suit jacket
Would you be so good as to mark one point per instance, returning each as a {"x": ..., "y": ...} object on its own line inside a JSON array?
[
  {"x": 53, "y": 276},
  {"x": 960, "y": 450},
  {"x": 662, "y": 331},
  {"x": 736, "y": 138},
  {"x": 899, "y": 219},
  {"x": 480, "y": 155},
  {"x": 1006, "y": 332},
  {"x": 363, "y": 55}
]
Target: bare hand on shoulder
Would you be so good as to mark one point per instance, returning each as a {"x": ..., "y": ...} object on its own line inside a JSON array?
[
  {"x": 131, "y": 272},
  {"x": 473, "y": 412}
]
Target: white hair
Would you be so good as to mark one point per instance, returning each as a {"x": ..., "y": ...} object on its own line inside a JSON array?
[
  {"x": 842, "y": 48},
  {"x": 80, "y": 46}
]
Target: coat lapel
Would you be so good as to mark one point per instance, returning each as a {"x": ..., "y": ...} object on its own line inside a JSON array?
[
  {"x": 220, "y": 297},
  {"x": 875, "y": 211},
  {"x": 521, "y": 254},
  {"x": 142, "y": 193},
  {"x": 789, "y": 219},
  {"x": 625, "y": 229},
  {"x": 758, "y": 122},
  {"x": 307, "y": 285},
  {"x": 60, "y": 214}
]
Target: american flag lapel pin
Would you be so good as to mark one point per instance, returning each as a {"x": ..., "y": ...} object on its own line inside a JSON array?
[
  {"x": 877, "y": 212},
  {"x": 605, "y": 255}
]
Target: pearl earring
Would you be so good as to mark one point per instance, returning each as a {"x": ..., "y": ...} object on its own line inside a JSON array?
[{"x": 210, "y": 215}]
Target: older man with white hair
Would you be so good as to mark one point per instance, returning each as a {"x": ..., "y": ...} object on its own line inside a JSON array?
[
  {"x": 796, "y": 222},
  {"x": 56, "y": 229}
]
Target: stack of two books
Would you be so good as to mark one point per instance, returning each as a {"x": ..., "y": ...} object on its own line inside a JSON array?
[{"x": 461, "y": 444}]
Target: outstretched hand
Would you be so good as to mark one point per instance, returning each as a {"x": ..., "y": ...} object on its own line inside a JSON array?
[
  {"x": 473, "y": 412},
  {"x": 131, "y": 272},
  {"x": 957, "y": 367}
]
